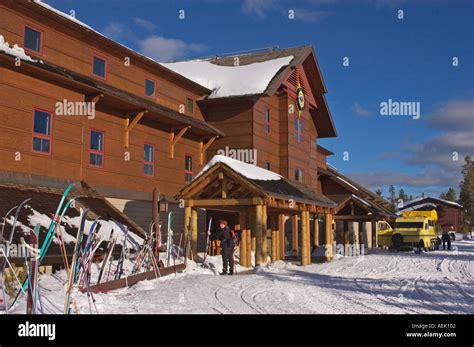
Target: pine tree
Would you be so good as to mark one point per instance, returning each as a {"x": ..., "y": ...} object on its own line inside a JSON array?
[
  {"x": 450, "y": 195},
  {"x": 402, "y": 195},
  {"x": 443, "y": 196},
  {"x": 466, "y": 193},
  {"x": 391, "y": 191},
  {"x": 379, "y": 192}
]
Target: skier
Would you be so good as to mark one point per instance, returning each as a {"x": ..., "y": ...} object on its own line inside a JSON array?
[
  {"x": 446, "y": 239},
  {"x": 227, "y": 247}
]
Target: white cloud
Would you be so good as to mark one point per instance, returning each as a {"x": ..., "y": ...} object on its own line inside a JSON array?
[
  {"x": 453, "y": 115},
  {"x": 258, "y": 7},
  {"x": 117, "y": 31},
  {"x": 144, "y": 23},
  {"x": 166, "y": 50},
  {"x": 361, "y": 111}
]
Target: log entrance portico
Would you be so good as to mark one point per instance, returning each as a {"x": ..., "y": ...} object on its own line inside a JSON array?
[{"x": 263, "y": 206}]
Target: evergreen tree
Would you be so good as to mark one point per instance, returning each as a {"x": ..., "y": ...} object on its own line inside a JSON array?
[
  {"x": 391, "y": 191},
  {"x": 443, "y": 196},
  {"x": 402, "y": 195},
  {"x": 450, "y": 194},
  {"x": 378, "y": 192},
  {"x": 466, "y": 193}
]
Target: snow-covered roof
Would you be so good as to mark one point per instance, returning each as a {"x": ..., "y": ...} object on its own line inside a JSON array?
[
  {"x": 227, "y": 81},
  {"x": 350, "y": 185},
  {"x": 361, "y": 200},
  {"x": 416, "y": 207},
  {"x": 15, "y": 50},
  {"x": 429, "y": 197},
  {"x": 250, "y": 171},
  {"x": 65, "y": 15}
]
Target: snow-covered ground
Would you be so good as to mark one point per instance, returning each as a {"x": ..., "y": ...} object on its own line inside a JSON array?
[{"x": 380, "y": 282}]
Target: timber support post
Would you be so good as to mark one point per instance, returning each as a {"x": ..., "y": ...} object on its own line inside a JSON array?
[
  {"x": 274, "y": 251},
  {"x": 258, "y": 229},
  {"x": 373, "y": 224},
  {"x": 294, "y": 234},
  {"x": 281, "y": 231},
  {"x": 187, "y": 231},
  {"x": 305, "y": 239},
  {"x": 245, "y": 252},
  {"x": 316, "y": 231},
  {"x": 194, "y": 232},
  {"x": 264, "y": 248},
  {"x": 329, "y": 236}
]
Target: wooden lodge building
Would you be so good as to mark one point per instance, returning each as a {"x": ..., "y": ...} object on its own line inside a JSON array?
[{"x": 157, "y": 126}]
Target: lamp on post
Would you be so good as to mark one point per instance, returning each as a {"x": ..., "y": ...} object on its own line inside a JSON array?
[{"x": 163, "y": 204}]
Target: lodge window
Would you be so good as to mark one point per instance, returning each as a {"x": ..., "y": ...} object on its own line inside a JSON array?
[
  {"x": 188, "y": 168},
  {"x": 267, "y": 166},
  {"x": 298, "y": 174},
  {"x": 299, "y": 129},
  {"x": 149, "y": 160},
  {"x": 189, "y": 105},
  {"x": 96, "y": 155},
  {"x": 267, "y": 121},
  {"x": 150, "y": 87},
  {"x": 33, "y": 39},
  {"x": 42, "y": 129},
  {"x": 99, "y": 67}
]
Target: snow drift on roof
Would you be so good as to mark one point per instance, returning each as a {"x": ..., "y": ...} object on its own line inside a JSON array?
[
  {"x": 361, "y": 200},
  {"x": 230, "y": 80},
  {"x": 350, "y": 185},
  {"x": 247, "y": 170},
  {"x": 62, "y": 14},
  {"x": 429, "y": 197},
  {"x": 416, "y": 207},
  {"x": 15, "y": 50}
]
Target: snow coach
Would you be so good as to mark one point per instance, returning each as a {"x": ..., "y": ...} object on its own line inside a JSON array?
[{"x": 412, "y": 229}]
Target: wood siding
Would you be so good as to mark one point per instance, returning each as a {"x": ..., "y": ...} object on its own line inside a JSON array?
[
  {"x": 75, "y": 53},
  {"x": 19, "y": 95}
]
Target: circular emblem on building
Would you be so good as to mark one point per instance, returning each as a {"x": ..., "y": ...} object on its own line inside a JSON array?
[{"x": 300, "y": 99}]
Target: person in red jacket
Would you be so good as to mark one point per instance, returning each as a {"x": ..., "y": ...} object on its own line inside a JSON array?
[{"x": 227, "y": 247}]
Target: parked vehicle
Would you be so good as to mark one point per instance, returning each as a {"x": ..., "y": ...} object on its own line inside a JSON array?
[{"x": 412, "y": 229}]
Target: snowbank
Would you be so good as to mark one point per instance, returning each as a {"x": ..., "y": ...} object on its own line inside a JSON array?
[
  {"x": 247, "y": 170},
  {"x": 230, "y": 80}
]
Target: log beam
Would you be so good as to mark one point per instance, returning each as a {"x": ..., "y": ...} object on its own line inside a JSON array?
[
  {"x": 223, "y": 202},
  {"x": 129, "y": 125},
  {"x": 205, "y": 147},
  {"x": 174, "y": 138}
]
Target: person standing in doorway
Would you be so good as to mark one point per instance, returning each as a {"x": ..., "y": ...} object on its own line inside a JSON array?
[{"x": 227, "y": 247}]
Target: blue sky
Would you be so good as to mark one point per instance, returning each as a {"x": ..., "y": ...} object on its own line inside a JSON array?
[{"x": 406, "y": 60}]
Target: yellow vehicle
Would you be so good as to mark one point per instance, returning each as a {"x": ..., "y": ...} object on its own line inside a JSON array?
[{"x": 412, "y": 229}]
